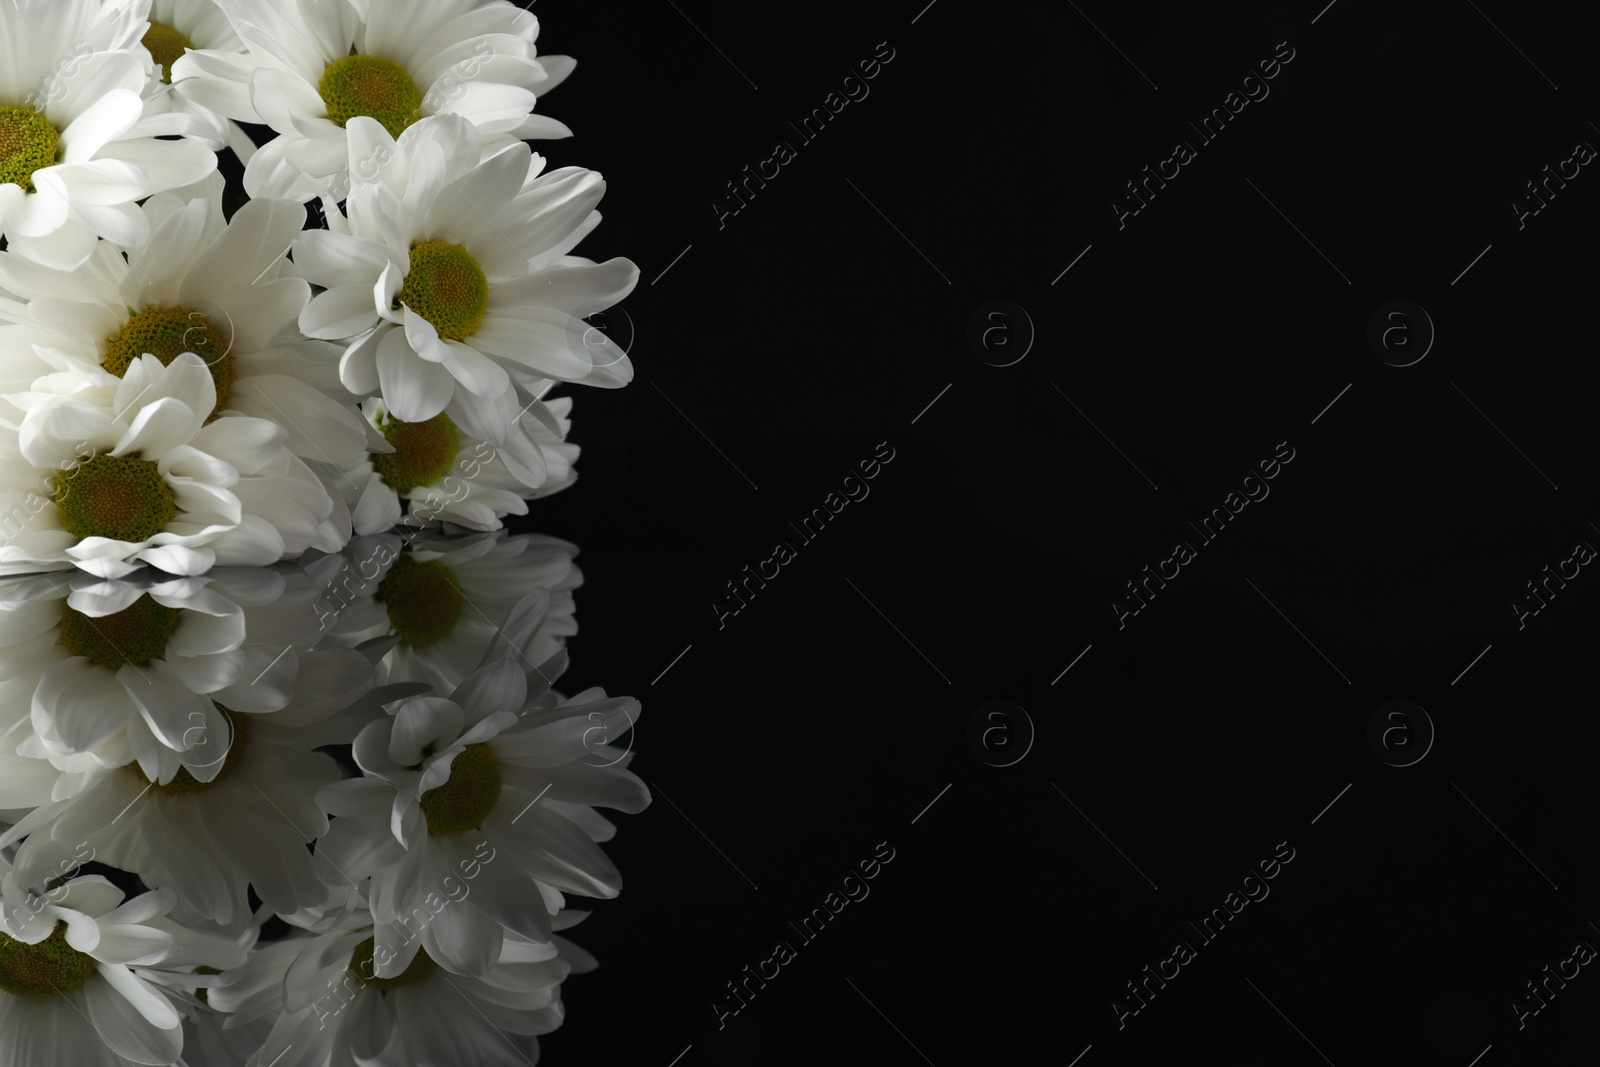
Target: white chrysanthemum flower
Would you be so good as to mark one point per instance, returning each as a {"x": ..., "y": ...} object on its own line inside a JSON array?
[
  {"x": 252, "y": 818},
  {"x": 446, "y": 476},
  {"x": 79, "y": 954},
  {"x": 175, "y": 27},
  {"x": 328, "y": 1008},
  {"x": 77, "y": 146},
  {"x": 136, "y": 469},
  {"x": 456, "y": 602},
  {"x": 312, "y": 66},
  {"x": 221, "y": 289},
  {"x": 454, "y": 278},
  {"x": 481, "y": 781}
]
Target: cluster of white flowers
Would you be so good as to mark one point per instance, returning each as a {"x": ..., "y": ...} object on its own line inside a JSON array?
[{"x": 279, "y": 760}]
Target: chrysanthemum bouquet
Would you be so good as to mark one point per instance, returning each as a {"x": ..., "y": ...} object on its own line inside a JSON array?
[{"x": 284, "y": 775}]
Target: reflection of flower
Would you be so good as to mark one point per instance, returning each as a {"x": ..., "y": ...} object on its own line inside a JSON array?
[
  {"x": 97, "y": 673},
  {"x": 455, "y": 602},
  {"x": 88, "y": 955},
  {"x": 446, "y": 778},
  {"x": 449, "y": 858},
  {"x": 114, "y": 671},
  {"x": 326, "y": 1004},
  {"x": 161, "y": 484},
  {"x": 252, "y": 817},
  {"x": 308, "y": 69},
  {"x": 208, "y": 1040}
]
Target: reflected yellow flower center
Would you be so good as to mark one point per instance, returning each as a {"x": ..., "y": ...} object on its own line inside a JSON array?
[
  {"x": 51, "y": 968},
  {"x": 137, "y": 634},
  {"x": 362, "y": 966},
  {"x": 423, "y": 600},
  {"x": 462, "y": 803},
  {"x": 183, "y": 782}
]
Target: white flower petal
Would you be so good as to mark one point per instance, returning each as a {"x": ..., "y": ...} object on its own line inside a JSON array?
[
  {"x": 133, "y": 1018},
  {"x": 414, "y": 390}
]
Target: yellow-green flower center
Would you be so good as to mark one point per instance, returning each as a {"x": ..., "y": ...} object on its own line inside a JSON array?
[
  {"x": 447, "y": 287},
  {"x": 201, "y": 992},
  {"x": 462, "y": 803},
  {"x": 167, "y": 333},
  {"x": 120, "y": 497},
  {"x": 183, "y": 782},
  {"x": 372, "y": 86},
  {"x": 362, "y": 967},
  {"x": 27, "y": 143},
  {"x": 423, "y": 452},
  {"x": 423, "y": 600},
  {"x": 167, "y": 45},
  {"x": 137, "y": 634},
  {"x": 52, "y": 968}
]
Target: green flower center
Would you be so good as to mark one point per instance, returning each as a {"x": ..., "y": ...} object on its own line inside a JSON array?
[
  {"x": 27, "y": 143},
  {"x": 462, "y": 803},
  {"x": 423, "y": 600},
  {"x": 52, "y": 968},
  {"x": 372, "y": 86},
  {"x": 447, "y": 287},
  {"x": 183, "y": 782},
  {"x": 167, "y": 45},
  {"x": 167, "y": 333},
  {"x": 201, "y": 991},
  {"x": 120, "y": 497},
  {"x": 137, "y": 634},
  {"x": 362, "y": 967},
  {"x": 423, "y": 452}
]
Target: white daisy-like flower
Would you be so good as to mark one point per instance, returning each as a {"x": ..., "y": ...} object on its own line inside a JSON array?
[
  {"x": 484, "y": 775},
  {"x": 455, "y": 602},
  {"x": 175, "y": 27},
  {"x": 252, "y": 818},
  {"x": 446, "y": 476},
  {"x": 81, "y": 953},
  {"x": 135, "y": 469},
  {"x": 328, "y": 1008},
  {"x": 312, "y": 66},
  {"x": 77, "y": 148},
  {"x": 453, "y": 278},
  {"x": 221, "y": 289}
]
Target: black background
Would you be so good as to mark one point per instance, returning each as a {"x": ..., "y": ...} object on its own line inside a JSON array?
[{"x": 822, "y": 719}]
